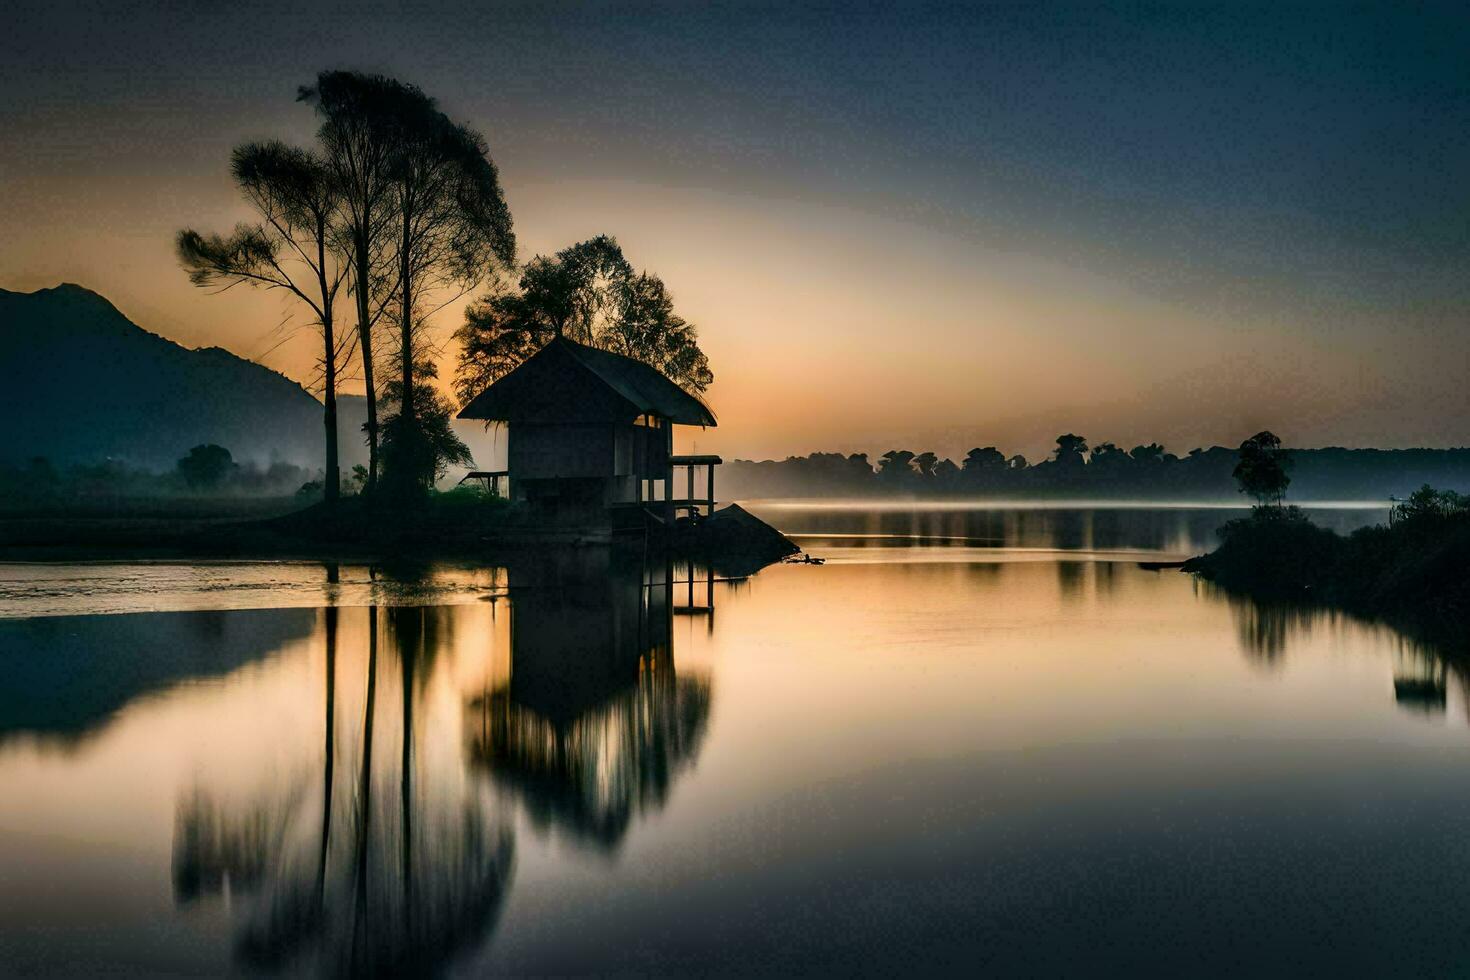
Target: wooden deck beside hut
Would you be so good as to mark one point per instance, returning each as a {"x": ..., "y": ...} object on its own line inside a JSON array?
[{"x": 590, "y": 438}]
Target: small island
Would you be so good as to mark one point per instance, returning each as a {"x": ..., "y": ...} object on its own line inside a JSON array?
[{"x": 1409, "y": 573}]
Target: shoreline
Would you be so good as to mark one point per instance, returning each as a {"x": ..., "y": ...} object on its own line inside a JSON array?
[
  {"x": 354, "y": 532},
  {"x": 838, "y": 503},
  {"x": 1409, "y": 576}
]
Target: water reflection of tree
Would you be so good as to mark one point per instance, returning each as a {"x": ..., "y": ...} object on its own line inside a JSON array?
[
  {"x": 1264, "y": 627},
  {"x": 595, "y": 722},
  {"x": 1420, "y": 679},
  {"x": 1422, "y": 671},
  {"x": 374, "y": 882},
  {"x": 1181, "y": 530},
  {"x": 1071, "y": 577},
  {"x": 217, "y": 850}
]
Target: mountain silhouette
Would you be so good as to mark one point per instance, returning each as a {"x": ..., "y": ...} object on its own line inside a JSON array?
[{"x": 80, "y": 382}]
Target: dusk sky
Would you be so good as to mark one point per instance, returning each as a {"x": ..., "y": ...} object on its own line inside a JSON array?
[{"x": 894, "y": 226}]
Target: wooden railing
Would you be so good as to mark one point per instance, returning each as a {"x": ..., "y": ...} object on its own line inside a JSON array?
[
  {"x": 495, "y": 482},
  {"x": 696, "y": 505}
]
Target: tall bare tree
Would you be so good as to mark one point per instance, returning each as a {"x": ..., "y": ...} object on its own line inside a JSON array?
[
  {"x": 452, "y": 227},
  {"x": 291, "y": 247},
  {"x": 359, "y": 137}
]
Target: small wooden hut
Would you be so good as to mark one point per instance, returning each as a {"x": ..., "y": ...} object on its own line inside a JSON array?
[{"x": 590, "y": 437}]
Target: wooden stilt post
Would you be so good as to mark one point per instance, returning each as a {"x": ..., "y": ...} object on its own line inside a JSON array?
[{"x": 669, "y": 476}]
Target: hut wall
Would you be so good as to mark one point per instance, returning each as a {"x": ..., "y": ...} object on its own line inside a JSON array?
[
  {"x": 641, "y": 451},
  {"x": 543, "y": 452}
]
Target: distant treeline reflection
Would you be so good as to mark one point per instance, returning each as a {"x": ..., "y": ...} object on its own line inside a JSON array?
[{"x": 1075, "y": 469}]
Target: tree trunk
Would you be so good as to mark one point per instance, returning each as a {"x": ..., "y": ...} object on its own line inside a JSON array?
[
  {"x": 333, "y": 482},
  {"x": 365, "y": 342},
  {"x": 407, "y": 420},
  {"x": 333, "y": 479},
  {"x": 405, "y": 273}
]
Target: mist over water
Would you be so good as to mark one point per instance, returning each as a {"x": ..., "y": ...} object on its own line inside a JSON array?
[
  {"x": 992, "y": 529},
  {"x": 987, "y": 735}
]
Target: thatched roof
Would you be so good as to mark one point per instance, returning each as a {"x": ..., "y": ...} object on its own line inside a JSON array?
[{"x": 553, "y": 384}]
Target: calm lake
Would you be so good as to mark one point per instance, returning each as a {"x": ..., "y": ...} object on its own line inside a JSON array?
[{"x": 974, "y": 740}]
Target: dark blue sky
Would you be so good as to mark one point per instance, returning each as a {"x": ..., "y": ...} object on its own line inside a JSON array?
[{"x": 1298, "y": 169}]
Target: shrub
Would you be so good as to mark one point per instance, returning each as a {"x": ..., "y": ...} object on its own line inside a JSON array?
[
  {"x": 1429, "y": 504},
  {"x": 206, "y": 467}
]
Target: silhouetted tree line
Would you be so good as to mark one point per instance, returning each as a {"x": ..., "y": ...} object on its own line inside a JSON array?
[
  {"x": 399, "y": 208},
  {"x": 207, "y": 471},
  {"x": 1075, "y": 469}
]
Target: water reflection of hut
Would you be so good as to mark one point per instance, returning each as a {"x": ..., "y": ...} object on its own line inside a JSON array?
[
  {"x": 1264, "y": 626},
  {"x": 594, "y": 721}
]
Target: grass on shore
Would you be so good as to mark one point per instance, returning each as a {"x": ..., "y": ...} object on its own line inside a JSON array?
[{"x": 247, "y": 526}]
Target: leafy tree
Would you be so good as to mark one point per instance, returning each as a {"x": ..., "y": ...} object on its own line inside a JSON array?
[
  {"x": 291, "y": 247},
  {"x": 1070, "y": 449},
  {"x": 925, "y": 463},
  {"x": 987, "y": 460},
  {"x": 588, "y": 293},
  {"x": 896, "y": 465},
  {"x": 206, "y": 466},
  {"x": 358, "y": 481},
  {"x": 1261, "y": 466},
  {"x": 1428, "y": 504},
  {"x": 499, "y": 333},
  {"x": 646, "y": 327},
  {"x": 1108, "y": 465},
  {"x": 1152, "y": 453},
  {"x": 417, "y": 451},
  {"x": 574, "y": 292}
]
